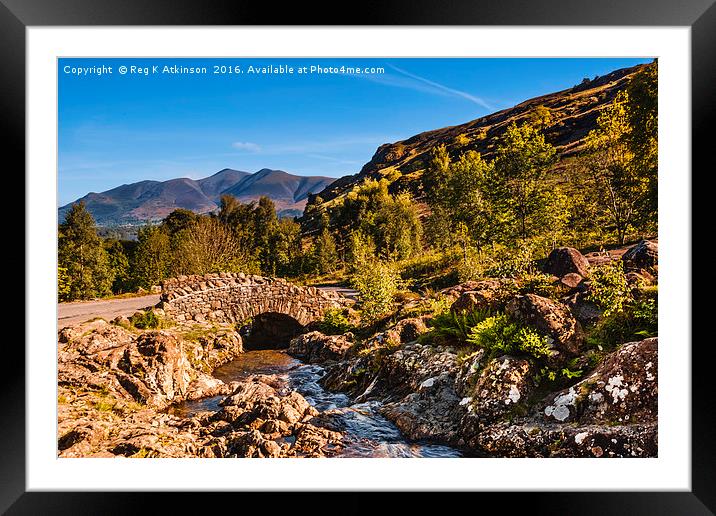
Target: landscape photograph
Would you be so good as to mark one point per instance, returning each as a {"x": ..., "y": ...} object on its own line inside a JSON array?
[{"x": 357, "y": 258}]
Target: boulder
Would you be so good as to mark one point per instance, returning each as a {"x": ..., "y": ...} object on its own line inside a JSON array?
[
  {"x": 158, "y": 359},
  {"x": 503, "y": 384},
  {"x": 255, "y": 400},
  {"x": 505, "y": 285},
  {"x": 483, "y": 295},
  {"x": 469, "y": 373},
  {"x": 251, "y": 444},
  {"x": 408, "y": 367},
  {"x": 621, "y": 390},
  {"x": 122, "y": 321},
  {"x": 455, "y": 291},
  {"x": 591, "y": 441},
  {"x": 315, "y": 441},
  {"x": 565, "y": 260},
  {"x": 584, "y": 310},
  {"x": 409, "y": 330},
  {"x": 644, "y": 255},
  {"x": 204, "y": 386},
  {"x": 149, "y": 368},
  {"x": 432, "y": 413},
  {"x": 564, "y": 333},
  {"x": 640, "y": 277},
  {"x": 610, "y": 413},
  {"x": 352, "y": 376},
  {"x": 213, "y": 348},
  {"x": 571, "y": 280},
  {"x": 315, "y": 347}
]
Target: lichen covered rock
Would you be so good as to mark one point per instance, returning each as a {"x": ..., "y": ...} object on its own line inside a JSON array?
[
  {"x": 594, "y": 441},
  {"x": 502, "y": 386},
  {"x": 432, "y": 413},
  {"x": 564, "y": 333},
  {"x": 610, "y": 413},
  {"x": 621, "y": 390}
]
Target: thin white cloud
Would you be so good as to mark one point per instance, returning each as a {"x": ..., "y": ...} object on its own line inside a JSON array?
[
  {"x": 247, "y": 146},
  {"x": 419, "y": 83},
  {"x": 441, "y": 87}
]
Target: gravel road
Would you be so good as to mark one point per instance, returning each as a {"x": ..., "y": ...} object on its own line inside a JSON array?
[{"x": 80, "y": 311}]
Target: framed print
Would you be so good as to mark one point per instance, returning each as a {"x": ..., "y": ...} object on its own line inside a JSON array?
[{"x": 416, "y": 253}]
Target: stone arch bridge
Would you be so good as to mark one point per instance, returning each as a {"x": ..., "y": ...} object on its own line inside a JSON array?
[{"x": 236, "y": 298}]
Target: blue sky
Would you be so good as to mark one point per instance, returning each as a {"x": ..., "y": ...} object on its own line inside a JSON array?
[{"x": 116, "y": 129}]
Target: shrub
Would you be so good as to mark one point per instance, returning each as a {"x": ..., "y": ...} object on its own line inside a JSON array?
[
  {"x": 146, "y": 320},
  {"x": 538, "y": 283},
  {"x": 377, "y": 283},
  {"x": 646, "y": 313},
  {"x": 609, "y": 288},
  {"x": 501, "y": 335},
  {"x": 637, "y": 320},
  {"x": 506, "y": 263},
  {"x": 335, "y": 322},
  {"x": 426, "y": 264},
  {"x": 470, "y": 267},
  {"x": 558, "y": 375},
  {"x": 461, "y": 140},
  {"x": 439, "y": 303}
]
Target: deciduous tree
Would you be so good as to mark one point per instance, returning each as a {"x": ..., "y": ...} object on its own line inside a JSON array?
[
  {"x": 152, "y": 260},
  {"x": 622, "y": 189},
  {"x": 522, "y": 161}
]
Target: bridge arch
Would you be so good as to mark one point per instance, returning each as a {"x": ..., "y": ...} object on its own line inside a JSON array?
[{"x": 237, "y": 297}]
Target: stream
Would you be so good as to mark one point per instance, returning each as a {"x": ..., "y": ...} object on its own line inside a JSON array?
[{"x": 367, "y": 433}]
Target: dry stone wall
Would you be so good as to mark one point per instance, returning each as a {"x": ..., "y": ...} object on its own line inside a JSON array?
[{"x": 232, "y": 297}]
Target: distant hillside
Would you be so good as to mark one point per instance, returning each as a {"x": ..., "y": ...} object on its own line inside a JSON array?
[
  {"x": 573, "y": 114},
  {"x": 154, "y": 200}
]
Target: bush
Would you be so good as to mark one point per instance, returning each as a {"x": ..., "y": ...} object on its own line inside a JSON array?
[
  {"x": 439, "y": 303},
  {"x": 646, "y": 313},
  {"x": 609, "y": 288},
  {"x": 470, "y": 267},
  {"x": 500, "y": 335},
  {"x": 559, "y": 376},
  {"x": 146, "y": 320},
  {"x": 376, "y": 283},
  {"x": 538, "y": 283},
  {"x": 426, "y": 264},
  {"x": 335, "y": 322},
  {"x": 637, "y": 320},
  {"x": 506, "y": 263}
]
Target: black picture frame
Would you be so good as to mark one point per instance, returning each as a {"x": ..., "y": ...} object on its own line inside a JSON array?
[{"x": 700, "y": 15}]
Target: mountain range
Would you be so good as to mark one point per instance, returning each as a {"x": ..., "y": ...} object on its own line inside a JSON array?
[{"x": 154, "y": 200}]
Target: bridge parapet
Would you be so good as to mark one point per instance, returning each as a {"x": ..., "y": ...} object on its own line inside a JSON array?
[{"x": 236, "y": 297}]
